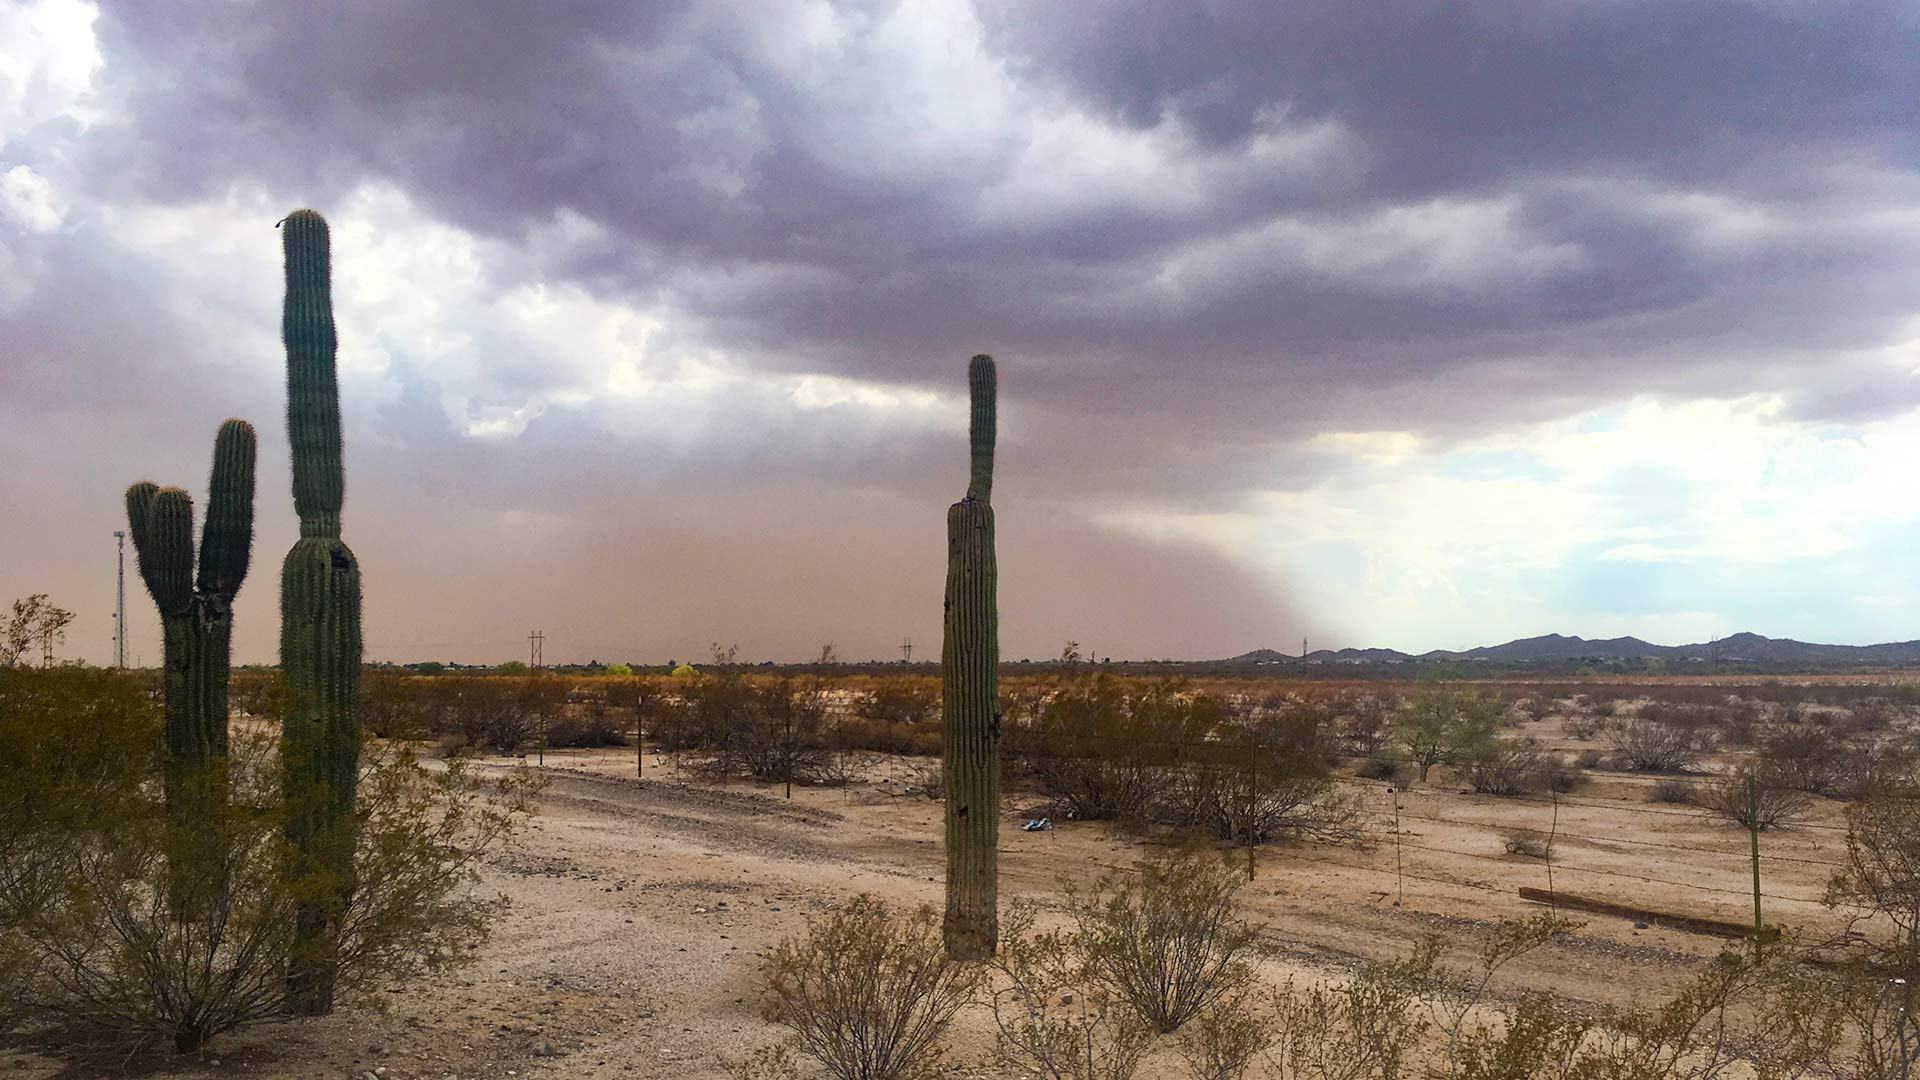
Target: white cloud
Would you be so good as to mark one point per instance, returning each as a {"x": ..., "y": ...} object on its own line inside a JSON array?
[
  {"x": 29, "y": 201},
  {"x": 48, "y": 58},
  {"x": 1410, "y": 540}
]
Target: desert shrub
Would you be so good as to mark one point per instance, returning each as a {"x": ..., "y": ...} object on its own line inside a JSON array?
[
  {"x": 1806, "y": 758},
  {"x": 1383, "y": 766},
  {"x": 1564, "y": 779},
  {"x": 1874, "y": 714},
  {"x": 1505, "y": 767},
  {"x": 1653, "y": 746},
  {"x": 1892, "y": 766},
  {"x": 1673, "y": 791},
  {"x": 391, "y": 704},
  {"x": 1440, "y": 724},
  {"x": 1452, "y": 994},
  {"x": 77, "y": 749},
  {"x": 1525, "y": 843},
  {"x": 1166, "y": 938},
  {"x": 767, "y": 1063},
  {"x": 255, "y": 693},
  {"x": 1740, "y": 721},
  {"x": 585, "y": 727},
  {"x": 1539, "y": 1039},
  {"x": 113, "y": 954},
  {"x": 930, "y": 780},
  {"x": 1699, "y": 721},
  {"x": 1365, "y": 721},
  {"x": 920, "y": 739},
  {"x": 1052, "y": 1015},
  {"x": 488, "y": 711},
  {"x": 907, "y": 699},
  {"x": 1584, "y": 725},
  {"x": 868, "y": 992},
  {"x": 1772, "y": 803},
  {"x": 1365, "y": 1029},
  {"x": 1590, "y": 759},
  {"x": 1261, "y": 779},
  {"x": 1103, "y": 750},
  {"x": 1225, "y": 1039}
]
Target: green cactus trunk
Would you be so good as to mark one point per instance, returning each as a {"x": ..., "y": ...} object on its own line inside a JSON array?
[
  {"x": 969, "y": 696},
  {"x": 319, "y": 627},
  {"x": 196, "y": 621}
]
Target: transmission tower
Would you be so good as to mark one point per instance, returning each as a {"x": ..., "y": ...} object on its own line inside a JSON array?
[
  {"x": 1303, "y": 646},
  {"x": 120, "y": 603},
  {"x": 535, "y": 640},
  {"x": 906, "y": 650}
]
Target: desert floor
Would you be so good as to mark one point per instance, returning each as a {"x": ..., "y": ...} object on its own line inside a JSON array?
[{"x": 639, "y": 908}]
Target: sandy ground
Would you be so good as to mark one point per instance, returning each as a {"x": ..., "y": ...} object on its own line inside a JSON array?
[{"x": 639, "y": 907}]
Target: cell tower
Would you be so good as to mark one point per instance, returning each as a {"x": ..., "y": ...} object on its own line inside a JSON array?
[{"x": 120, "y": 603}]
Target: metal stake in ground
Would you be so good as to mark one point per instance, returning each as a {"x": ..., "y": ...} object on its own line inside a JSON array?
[{"x": 1753, "y": 834}]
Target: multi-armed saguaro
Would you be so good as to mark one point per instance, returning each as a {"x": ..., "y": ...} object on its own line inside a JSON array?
[
  {"x": 319, "y": 625},
  {"x": 969, "y": 695},
  {"x": 196, "y": 612}
]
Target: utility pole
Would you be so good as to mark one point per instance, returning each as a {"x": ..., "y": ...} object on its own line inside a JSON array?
[
  {"x": 46, "y": 648},
  {"x": 535, "y": 640},
  {"x": 120, "y": 604},
  {"x": 906, "y": 650}
]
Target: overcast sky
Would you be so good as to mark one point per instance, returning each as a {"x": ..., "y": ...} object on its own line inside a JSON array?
[{"x": 1401, "y": 323}]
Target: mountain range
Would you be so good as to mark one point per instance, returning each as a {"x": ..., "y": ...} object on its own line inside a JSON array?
[{"x": 1734, "y": 648}]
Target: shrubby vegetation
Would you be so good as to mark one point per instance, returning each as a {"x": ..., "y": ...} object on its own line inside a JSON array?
[{"x": 96, "y": 934}]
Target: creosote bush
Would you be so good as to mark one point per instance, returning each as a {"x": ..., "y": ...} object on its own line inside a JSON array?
[
  {"x": 1166, "y": 938},
  {"x": 1053, "y": 1015},
  {"x": 1655, "y": 746},
  {"x": 868, "y": 991},
  {"x": 1774, "y": 803}
]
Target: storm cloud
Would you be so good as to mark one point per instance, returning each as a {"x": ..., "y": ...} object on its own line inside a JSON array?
[{"x": 653, "y": 316}]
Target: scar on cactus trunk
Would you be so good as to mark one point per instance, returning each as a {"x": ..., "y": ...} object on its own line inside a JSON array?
[
  {"x": 969, "y": 695},
  {"x": 196, "y": 623},
  {"x": 319, "y": 627}
]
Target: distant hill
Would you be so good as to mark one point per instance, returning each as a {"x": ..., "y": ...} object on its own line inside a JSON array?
[{"x": 1559, "y": 648}]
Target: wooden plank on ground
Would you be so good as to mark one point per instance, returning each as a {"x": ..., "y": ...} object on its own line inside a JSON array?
[{"x": 1693, "y": 924}]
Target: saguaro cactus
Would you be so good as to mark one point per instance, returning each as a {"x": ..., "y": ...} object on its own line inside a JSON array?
[
  {"x": 969, "y": 695},
  {"x": 196, "y": 612},
  {"x": 319, "y": 625}
]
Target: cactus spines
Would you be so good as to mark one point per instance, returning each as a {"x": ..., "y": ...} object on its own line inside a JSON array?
[
  {"x": 196, "y": 616},
  {"x": 320, "y": 641},
  {"x": 969, "y": 695}
]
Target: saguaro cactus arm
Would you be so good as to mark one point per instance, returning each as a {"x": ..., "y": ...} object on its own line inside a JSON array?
[
  {"x": 161, "y": 520},
  {"x": 313, "y": 390},
  {"x": 226, "y": 544},
  {"x": 981, "y": 424}
]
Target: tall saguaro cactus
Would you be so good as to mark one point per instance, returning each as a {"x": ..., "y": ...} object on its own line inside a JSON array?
[
  {"x": 196, "y": 611},
  {"x": 969, "y": 695},
  {"x": 319, "y": 625}
]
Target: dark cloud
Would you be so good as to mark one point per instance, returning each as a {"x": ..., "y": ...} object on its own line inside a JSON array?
[{"x": 1195, "y": 235}]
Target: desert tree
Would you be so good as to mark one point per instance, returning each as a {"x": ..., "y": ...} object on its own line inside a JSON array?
[{"x": 34, "y": 619}]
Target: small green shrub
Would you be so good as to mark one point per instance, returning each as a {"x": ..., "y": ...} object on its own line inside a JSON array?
[{"x": 868, "y": 992}]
